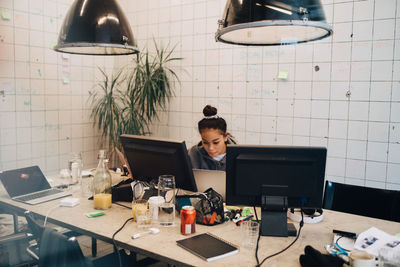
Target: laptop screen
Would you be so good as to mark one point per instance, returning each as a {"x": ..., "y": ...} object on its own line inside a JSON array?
[{"x": 24, "y": 181}]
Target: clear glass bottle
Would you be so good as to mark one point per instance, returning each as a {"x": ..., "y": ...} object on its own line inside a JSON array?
[{"x": 102, "y": 184}]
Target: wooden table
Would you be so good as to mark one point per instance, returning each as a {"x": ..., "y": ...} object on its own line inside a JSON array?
[{"x": 163, "y": 245}]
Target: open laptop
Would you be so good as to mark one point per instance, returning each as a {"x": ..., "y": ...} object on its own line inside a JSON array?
[
  {"x": 208, "y": 178},
  {"x": 29, "y": 185}
]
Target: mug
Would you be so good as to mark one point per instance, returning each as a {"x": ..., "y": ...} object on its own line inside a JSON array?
[{"x": 361, "y": 259}]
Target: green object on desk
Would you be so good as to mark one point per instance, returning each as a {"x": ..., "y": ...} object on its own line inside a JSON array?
[
  {"x": 94, "y": 214},
  {"x": 246, "y": 212},
  {"x": 398, "y": 234}
]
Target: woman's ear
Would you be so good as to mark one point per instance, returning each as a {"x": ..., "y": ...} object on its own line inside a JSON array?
[{"x": 226, "y": 138}]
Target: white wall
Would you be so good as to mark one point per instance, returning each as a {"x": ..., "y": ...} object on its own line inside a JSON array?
[
  {"x": 43, "y": 110},
  {"x": 351, "y": 105}
]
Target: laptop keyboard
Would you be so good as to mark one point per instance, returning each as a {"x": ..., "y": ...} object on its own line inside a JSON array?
[{"x": 39, "y": 194}]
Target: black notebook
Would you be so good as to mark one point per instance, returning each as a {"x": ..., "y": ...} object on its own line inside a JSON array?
[{"x": 208, "y": 246}]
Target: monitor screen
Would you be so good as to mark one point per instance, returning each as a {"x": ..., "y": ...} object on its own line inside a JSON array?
[
  {"x": 293, "y": 175},
  {"x": 150, "y": 157}
]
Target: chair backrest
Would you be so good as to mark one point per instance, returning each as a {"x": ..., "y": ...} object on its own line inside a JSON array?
[
  {"x": 57, "y": 250},
  {"x": 360, "y": 200},
  {"x": 35, "y": 228}
]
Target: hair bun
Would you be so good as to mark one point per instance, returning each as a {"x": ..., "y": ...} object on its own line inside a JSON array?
[{"x": 209, "y": 111}]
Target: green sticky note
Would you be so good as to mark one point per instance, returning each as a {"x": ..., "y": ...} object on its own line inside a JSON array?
[
  {"x": 283, "y": 74},
  {"x": 65, "y": 79},
  {"x": 397, "y": 235},
  {"x": 52, "y": 44},
  {"x": 5, "y": 15}
]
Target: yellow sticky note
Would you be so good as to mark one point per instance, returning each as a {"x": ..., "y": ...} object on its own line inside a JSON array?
[
  {"x": 283, "y": 74},
  {"x": 5, "y": 15}
]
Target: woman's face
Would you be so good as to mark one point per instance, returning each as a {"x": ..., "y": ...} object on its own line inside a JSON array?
[{"x": 213, "y": 142}]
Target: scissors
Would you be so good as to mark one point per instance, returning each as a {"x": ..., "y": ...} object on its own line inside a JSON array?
[{"x": 335, "y": 249}]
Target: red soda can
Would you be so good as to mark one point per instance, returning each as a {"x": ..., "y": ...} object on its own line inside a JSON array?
[{"x": 188, "y": 220}]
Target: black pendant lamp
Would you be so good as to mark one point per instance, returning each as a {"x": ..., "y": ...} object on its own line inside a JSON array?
[
  {"x": 96, "y": 27},
  {"x": 270, "y": 22}
]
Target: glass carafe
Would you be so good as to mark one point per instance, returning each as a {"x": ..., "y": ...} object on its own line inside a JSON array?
[{"x": 102, "y": 184}]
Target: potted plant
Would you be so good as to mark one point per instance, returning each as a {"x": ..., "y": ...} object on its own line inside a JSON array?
[{"x": 128, "y": 100}]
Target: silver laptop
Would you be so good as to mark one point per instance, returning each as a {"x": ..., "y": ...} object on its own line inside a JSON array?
[
  {"x": 208, "y": 178},
  {"x": 30, "y": 186}
]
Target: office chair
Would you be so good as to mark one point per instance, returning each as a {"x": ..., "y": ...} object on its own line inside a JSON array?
[
  {"x": 366, "y": 201},
  {"x": 35, "y": 234},
  {"x": 56, "y": 249},
  {"x": 13, "y": 244}
]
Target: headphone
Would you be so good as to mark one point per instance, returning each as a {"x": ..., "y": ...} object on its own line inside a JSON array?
[{"x": 311, "y": 215}]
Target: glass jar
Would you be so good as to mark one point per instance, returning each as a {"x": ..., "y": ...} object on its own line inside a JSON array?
[{"x": 102, "y": 184}]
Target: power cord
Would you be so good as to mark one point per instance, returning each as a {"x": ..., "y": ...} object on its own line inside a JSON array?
[
  {"x": 115, "y": 244},
  {"x": 283, "y": 250},
  {"x": 48, "y": 213}
]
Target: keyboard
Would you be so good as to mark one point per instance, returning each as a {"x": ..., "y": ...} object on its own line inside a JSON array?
[{"x": 38, "y": 194}]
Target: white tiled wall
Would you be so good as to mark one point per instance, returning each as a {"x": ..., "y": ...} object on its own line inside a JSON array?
[
  {"x": 43, "y": 109},
  {"x": 350, "y": 105}
]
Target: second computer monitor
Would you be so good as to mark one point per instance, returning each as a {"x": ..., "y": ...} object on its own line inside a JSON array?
[
  {"x": 275, "y": 178},
  {"x": 150, "y": 157}
]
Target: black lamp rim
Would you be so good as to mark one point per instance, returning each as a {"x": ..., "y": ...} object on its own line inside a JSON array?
[
  {"x": 130, "y": 49},
  {"x": 316, "y": 24}
]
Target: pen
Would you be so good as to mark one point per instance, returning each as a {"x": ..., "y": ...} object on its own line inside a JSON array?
[{"x": 238, "y": 223}]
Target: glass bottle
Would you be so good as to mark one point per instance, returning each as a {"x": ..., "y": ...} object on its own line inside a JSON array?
[{"x": 102, "y": 184}]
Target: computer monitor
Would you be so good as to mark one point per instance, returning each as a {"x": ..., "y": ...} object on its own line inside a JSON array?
[
  {"x": 150, "y": 157},
  {"x": 275, "y": 178}
]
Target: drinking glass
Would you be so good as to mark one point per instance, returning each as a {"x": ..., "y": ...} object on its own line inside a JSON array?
[
  {"x": 75, "y": 166},
  {"x": 87, "y": 185},
  {"x": 249, "y": 233},
  {"x": 167, "y": 190},
  {"x": 141, "y": 213}
]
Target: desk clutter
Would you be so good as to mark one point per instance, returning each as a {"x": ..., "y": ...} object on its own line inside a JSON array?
[
  {"x": 370, "y": 248},
  {"x": 156, "y": 204}
]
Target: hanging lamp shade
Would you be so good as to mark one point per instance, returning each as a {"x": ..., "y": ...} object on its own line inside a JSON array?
[
  {"x": 96, "y": 27},
  {"x": 270, "y": 22}
]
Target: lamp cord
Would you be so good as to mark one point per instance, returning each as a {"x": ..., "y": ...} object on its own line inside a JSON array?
[
  {"x": 283, "y": 250},
  {"x": 115, "y": 244}
]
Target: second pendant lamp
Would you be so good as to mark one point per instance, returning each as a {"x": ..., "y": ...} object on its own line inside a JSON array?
[{"x": 272, "y": 22}]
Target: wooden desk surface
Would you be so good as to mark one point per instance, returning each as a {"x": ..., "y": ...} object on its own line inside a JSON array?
[{"x": 163, "y": 245}]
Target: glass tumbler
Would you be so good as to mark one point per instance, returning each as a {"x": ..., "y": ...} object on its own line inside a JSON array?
[
  {"x": 167, "y": 190},
  {"x": 249, "y": 233},
  {"x": 75, "y": 166}
]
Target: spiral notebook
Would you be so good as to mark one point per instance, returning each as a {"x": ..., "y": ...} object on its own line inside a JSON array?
[{"x": 208, "y": 247}]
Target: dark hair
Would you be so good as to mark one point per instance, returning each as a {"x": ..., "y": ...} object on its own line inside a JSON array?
[{"x": 211, "y": 121}]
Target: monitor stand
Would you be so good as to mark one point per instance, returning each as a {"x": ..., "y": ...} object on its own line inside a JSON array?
[{"x": 274, "y": 215}]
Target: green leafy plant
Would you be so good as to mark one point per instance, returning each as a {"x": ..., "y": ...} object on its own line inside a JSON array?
[{"x": 128, "y": 100}]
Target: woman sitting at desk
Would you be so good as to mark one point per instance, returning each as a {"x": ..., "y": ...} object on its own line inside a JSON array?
[{"x": 210, "y": 152}]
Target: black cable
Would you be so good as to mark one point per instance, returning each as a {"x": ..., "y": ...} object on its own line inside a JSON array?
[
  {"x": 115, "y": 244},
  {"x": 258, "y": 238},
  {"x": 122, "y": 205},
  {"x": 283, "y": 250}
]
